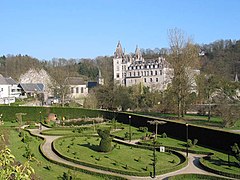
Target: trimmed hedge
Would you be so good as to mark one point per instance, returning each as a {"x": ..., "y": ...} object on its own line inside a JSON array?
[
  {"x": 183, "y": 162},
  {"x": 33, "y": 113},
  {"x": 207, "y": 168},
  {"x": 195, "y": 176}
]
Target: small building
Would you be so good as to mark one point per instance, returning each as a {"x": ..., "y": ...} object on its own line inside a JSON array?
[
  {"x": 31, "y": 89},
  {"x": 78, "y": 87},
  {"x": 8, "y": 90}
]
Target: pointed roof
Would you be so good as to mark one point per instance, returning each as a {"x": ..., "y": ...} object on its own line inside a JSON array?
[
  {"x": 236, "y": 78},
  {"x": 119, "y": 52},
  {"x": 7, "y": 81},
  {"x": 138, "y": 53}
]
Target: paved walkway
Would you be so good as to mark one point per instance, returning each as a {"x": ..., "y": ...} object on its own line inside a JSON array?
[{"x": 192, "y": 167}]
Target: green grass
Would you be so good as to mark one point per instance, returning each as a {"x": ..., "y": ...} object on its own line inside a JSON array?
[
  {"x": 136, "y": 134},
  {"x": 195, "y": 177},
  {"x": 170, "y": 142},
  {"x": 219, "y": 161},
  {"x": 137, "y": 160},
  {"x": 40, "y": 166}
]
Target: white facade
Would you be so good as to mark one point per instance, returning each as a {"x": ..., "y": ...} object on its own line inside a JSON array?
[
  {"x": 77, "y": 86},
  {"x": 128, "y": 71},
  {"x": 78, "y": 91},
  {"x": 8, "y": 90}
]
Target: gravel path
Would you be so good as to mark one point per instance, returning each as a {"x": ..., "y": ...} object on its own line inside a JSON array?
[{"x": 192, "y": 167}]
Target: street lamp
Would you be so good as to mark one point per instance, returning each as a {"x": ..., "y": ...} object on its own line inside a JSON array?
[
  {"x": 154, "y": 159},
  {"x": 156, "y": 122},
  {"x": 187, "y": 139},
  {"x": 130, "y": 130},
  {"x": 40, "y": 116}
]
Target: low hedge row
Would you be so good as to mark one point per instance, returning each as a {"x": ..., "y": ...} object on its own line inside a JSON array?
[
  {"x": 182, "y": 164},
  {"x": 105, "y": 176},
  {"x": 207, "y": 168},
  {"x": 195, "y": 176},
  {"x": 179, "y": 149}
]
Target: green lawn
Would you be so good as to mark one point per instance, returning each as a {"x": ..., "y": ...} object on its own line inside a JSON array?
[
  {"x": 125, "y": 158},
  {"x": 195, "y": 177},
  {"x": 219, "y": 161},
  {"x": 170, "y": 142},
  {"x": 136, "y": 134},
  {"x": 41, "y": 164}
]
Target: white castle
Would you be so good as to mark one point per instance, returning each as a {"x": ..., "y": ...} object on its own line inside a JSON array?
[{"x": 130, "y": 70}]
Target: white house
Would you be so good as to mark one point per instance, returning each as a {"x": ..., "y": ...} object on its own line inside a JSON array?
[
  {"x": 78, "y": 88},
  {"x": 9, "y": 90}
]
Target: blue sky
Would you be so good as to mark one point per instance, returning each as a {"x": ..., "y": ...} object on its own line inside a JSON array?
[{"x": 48, "y": 29}]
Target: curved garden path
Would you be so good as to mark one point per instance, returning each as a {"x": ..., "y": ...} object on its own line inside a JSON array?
[{"x": 192, "y": 167}]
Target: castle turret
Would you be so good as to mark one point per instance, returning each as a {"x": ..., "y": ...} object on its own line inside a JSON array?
[{"x": 119, "y": 52}]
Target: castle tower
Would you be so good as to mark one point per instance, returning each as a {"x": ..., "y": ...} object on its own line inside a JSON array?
[
  {"x": 119, "y": 65},
  {"x": 138, "y": 54},
  {"x": 100, "y": 78}
]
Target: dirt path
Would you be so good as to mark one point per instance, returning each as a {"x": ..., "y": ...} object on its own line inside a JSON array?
[{"x": 192, "y": 167}]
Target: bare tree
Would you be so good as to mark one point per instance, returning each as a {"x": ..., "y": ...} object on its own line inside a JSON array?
[{"x": 183, "y": 58}]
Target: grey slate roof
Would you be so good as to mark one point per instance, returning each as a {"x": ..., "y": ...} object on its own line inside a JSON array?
[
  {"x": 4, "y": 81},
  {"x": 32, "y": 87},
  {"x": 75, "y": 81}
]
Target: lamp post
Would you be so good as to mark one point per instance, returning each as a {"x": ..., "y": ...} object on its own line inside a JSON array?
[
  {"x": 154, "y": 159},
  {"x": 130, "y": 130},
  {"x": 156, "y": 122},
  {"x": 40, "y": 116},
  {"x": 187, "y": 139}
]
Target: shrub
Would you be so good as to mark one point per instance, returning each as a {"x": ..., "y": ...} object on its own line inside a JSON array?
[
  {"x": 106, "y": 140},
  {"x": 189, "y": 143},
  {"x": 143, "y": 129},
  {"x": 195, "y": 141},
  {"x": 164, "y": 135}
]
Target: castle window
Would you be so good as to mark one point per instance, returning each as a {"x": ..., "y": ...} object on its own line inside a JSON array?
[
  {"x": 160, "y": 72},
  {"x": 117, "y": 62},
  {"x": 145, "y": 66},
  {"x": 81, "y": 89},
  {"x": 72, "y": 90},
  {"x": 130, "y": 74},
  {"x": 147, "y": 73},
  {"x": 117, "y": 75},
  {"x": 77, "y": 90},
  {"x": 145, "y": 79},
  {"x": 117, "y": 68},
  {"x": 150, "y": 79},
  {"x": 138, "y": 73},
  {"x": 156, "y": 79},
  {"x": 155, "y": 72},
  {"x": 144, "y": 73},
  {"x": 134, "y": 74},
  {"x": 151, "y": 73}
]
